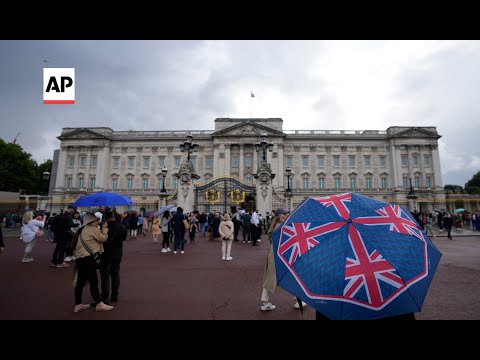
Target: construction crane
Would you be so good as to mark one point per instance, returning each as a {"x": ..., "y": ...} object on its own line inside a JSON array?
[{"x": 16, "y": 137}]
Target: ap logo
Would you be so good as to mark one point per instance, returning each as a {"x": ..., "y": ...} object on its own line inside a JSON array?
[{"x": 59, "y": 85}]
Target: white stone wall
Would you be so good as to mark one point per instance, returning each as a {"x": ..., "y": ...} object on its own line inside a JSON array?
[{"x": 238, "y": 141}]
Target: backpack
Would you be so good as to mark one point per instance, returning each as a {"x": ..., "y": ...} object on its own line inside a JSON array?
[{"x": 73, "y": 243}]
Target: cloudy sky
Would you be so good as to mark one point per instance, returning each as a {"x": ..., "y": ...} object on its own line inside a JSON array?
[{"x": 160, "y": 85}]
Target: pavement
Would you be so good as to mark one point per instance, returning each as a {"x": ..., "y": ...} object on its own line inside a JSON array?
[{"x": 199, "y": 285}]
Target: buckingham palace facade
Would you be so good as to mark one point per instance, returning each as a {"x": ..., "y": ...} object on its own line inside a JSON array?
[{"x": 383, "y": 164}]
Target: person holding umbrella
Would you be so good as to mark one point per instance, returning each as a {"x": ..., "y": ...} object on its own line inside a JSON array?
[{"x": 270, "y": 277}]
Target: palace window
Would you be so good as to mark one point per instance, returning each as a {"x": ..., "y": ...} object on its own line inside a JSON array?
[
  {"x": 114, "y": 184},
  {"x": 383, "y": 161},
  {"x": 145, "y": 183},
  {"x": 131, "y": 162},
  {"x": 404, "y": 160},
  {"x": 235, "y": 161},
  {"x": 146, "y": 162},
  {"x": 116, "y": 162},
  {"x": 415, "y": 160},
  {"x": 368, "y": 183},
  {"x": 83, "y": 161},
  {"x": 366, "y": 161},
  {"x": 305, "y": 161},
  {"x": 94, "y": 162},
  {"x": 129, "y": 183},
  {"x": 71, "y": 162},
  {"x": 337, "y": 183},
  {"x": 321, "y": 183},
  {"x": 208, "y": 162},
  {"x": 428, "y": 181},
  {"x": 321, "y": 161},
  {"x": 81, "y": 182},
  {"x": 161, "y": 162},
  {"x": 248, "y": 160},
  {"x": 384, "y": 183},
  {"x": 290, "y": 161},
  {"x": 405, "y": 182},
  {"x": 426, "y": 160},
  {"x": 417, "y": 182},
  {"x": 177, "y": 160},
  {"x": 69, "y": 183},
  {"x": 351, "y": 161},
  {"x": 336, "y": 161},
  {"x": 92, "y": 183},
  {"x": 305, "y": 183}
]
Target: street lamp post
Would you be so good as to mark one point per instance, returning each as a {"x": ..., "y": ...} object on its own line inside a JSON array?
[
  {"x": 163, "y": 191},
  {"x": 46, "y": 179},
  {"x": 288, "y": 192},
  {"x": 411, "y": 195},
  {"x": 264, "y": 146},
  {"x": 188, "y": 146}
]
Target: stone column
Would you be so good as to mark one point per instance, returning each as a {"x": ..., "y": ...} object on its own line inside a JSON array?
[
  {"x": 242, "y": 163},
  {"x": 396, "y": 166},
  {"x": 102, "y": 167},
  {"x": 186, "y": 189},
  {"x": 62, "y": 164},
  {"x": 264, "y": 178},
  {"x": 217, "y": 168},
  {"x": 227, "y": 159},
  {"x": 437, "y": 175},
  {"x": 281, "y": 171}
]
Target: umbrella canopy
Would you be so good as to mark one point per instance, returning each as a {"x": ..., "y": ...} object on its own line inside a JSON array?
[
  {"x": 460, "y": 210},
  {"x": 171, "y": 208},
  {"x": 353, "y": 257},
  {"x": 103, "y": 199}
]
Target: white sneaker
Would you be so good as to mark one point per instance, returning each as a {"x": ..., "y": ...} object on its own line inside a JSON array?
[
  {"x": 296, "y": 305},
  {"x": 164, "y": 250},
  {"x": 73, "y": 258},
  {"x": 268, "y": 307},
  {"x": 103, "y": 307},
  {"x": 27, "y": 260},
  {"x": 80, "y": 307},
  {"x": 224, "y": 258},
  {"x": 229, "y": 258},
  {"x": 168, "y": 250},
  {"x": 182, "y": 252},
  {"x": 68, "y": 258},
  {"x": 175, "y": 252}
]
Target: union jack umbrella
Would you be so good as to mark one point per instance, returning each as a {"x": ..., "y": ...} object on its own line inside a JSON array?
[{"x": 353, "y": 257}]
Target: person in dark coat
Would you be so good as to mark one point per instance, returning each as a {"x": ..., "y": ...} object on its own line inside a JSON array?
[
  {"x": 216, "y": 225},
  {"x": 63, "y": 236},
  {"x": 2, "y": 244},
  {"x": 179, "y": 231},
  {"x": 448, "y": 223},
  {"x": 112, "y": 257}
]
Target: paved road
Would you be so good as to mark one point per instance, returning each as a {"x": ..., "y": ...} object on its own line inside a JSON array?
[{"x": 199, "y": 285}]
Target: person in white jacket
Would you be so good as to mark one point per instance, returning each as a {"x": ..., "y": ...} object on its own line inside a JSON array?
[
  {"x": 226, "y": 233},
  {"x": 30, "y": 231}
]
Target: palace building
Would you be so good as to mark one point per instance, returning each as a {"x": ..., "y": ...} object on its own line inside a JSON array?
[{"x": 385, "y": 164}]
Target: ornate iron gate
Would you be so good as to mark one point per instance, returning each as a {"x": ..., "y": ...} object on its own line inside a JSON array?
[{"x": 225, "y": 195}]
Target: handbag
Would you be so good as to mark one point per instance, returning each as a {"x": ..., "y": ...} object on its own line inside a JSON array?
[
  {"x": 186, "y": 224},
  {"x": 96, "y": 256}
]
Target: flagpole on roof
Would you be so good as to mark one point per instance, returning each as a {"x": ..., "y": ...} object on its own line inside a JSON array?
[{"x": 251, "y": 97}]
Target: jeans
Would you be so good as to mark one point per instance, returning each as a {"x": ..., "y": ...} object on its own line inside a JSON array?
[{"x": 179, "y": 242}]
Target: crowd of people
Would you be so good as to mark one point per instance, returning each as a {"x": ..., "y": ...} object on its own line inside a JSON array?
[{"x": 94, "y": 241}]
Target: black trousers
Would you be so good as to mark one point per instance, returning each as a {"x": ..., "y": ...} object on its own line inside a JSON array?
[
  {"x": 87, "y": 271},
  {"x": 166, "y": 239},
  {"x": 59, "y": 252},
  {"x": 110, "y": 273},
  {"x": 247, "y": 236}
]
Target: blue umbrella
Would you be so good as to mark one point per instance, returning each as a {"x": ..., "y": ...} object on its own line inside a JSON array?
[
  {"x": 352, "y": 257},
  {"x": 103, "y": 199}
]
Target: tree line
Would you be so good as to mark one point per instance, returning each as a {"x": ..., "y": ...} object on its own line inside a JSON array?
[
  {"x": 19, "y": 172},
  {"x": 471, "y": 187}
]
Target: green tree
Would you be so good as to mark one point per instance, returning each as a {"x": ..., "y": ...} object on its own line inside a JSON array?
[
  {"x": 455, "y": 189},
  {"x": 18, "y": 171},
  {"x": 473, "y": 185}
]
